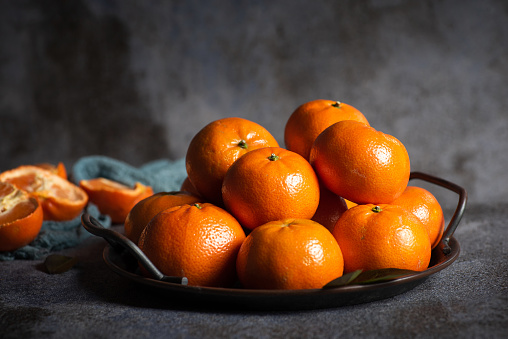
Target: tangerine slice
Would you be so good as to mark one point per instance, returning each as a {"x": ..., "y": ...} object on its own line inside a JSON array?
[
  {"x": 21, "y": 217},
  {"x": 113, "y": 198},
  {"x": 60, "y": 199}
]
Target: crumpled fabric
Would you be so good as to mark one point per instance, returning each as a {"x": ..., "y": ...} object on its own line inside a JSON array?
[{"x": 162, "y": 175}]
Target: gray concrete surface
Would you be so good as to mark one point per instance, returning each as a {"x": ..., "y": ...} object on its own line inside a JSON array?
[
  {"x": 135, "y": 80},
  {"x": 466, "y": 300}
]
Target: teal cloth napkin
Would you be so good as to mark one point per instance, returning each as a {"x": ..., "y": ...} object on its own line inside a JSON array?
[{"x": 162, "y": 175}]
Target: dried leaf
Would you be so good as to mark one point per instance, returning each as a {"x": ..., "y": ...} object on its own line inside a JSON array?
[{"x": 56, "y": 263}]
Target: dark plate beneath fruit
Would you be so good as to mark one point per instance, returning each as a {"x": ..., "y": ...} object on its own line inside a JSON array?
[
  {"x": 287, "y": 300},
  {"x": 124, "y": 257}
]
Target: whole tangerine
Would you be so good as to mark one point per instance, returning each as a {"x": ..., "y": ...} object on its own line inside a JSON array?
[
  {"x": 375, "y": 237},
  {"x": 198, "y": 241},
  {"x": 330, "y": 208},
  {"x": 425, "y": 206},
  {"x": 139, "y": 216},
  {"x": 289, "y": 254},
  {"x": 310, "y": 119},
  {"x": 187, "y": 186},
  {"x": 21, "y": 217},
  {"x": 270, "y": 184},
  {"x": 361, "y": 164},
  {"x": 216, "y": 147}
]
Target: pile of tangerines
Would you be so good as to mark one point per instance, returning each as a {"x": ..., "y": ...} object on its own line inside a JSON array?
[{"x": 334, "y": 200}]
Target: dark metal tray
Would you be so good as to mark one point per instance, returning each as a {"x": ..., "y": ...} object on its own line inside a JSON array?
[{"x": 123, "y": 256}]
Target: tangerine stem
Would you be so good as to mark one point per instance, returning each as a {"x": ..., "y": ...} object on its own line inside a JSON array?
[
  {"x": 273, "y": 157},
  {"x": 376, "y": 209},
  {"x": 243, "y": 144},
  {"x": 197, "y": 205},
  {"x": 337, "y": 104}
]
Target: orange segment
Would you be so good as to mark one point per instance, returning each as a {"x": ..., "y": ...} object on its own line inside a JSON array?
[
  {"x": 21, "y": 217},
  {"x": 113, "y": 198},
  {"x": 60, "y": 199}
]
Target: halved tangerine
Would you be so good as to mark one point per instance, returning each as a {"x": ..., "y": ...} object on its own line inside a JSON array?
[
  {"x": 21, "y": 217},
  {"x": 113, "y": 198},
  {"x": 59, "y": 169},
  {"x": 60, "y": 199}
]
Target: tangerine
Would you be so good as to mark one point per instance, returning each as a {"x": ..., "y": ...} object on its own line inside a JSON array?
[
  {"x": 382, "y": 236},
  {"x": 330, "y": 208},
  {"x": 60, "y": 199},
  {"x": 270, "y": 184},
  {"x": 187, "y": 186},
  {"x": 361, "y": 164},
  {"x": 139, "y": 216},
  {"x": 350, "y": 204},
  {"x": 198, "y": 241},
  {"x": 21, "y": 217},
  {"x": 216, "y": 147},
  {"x": 113, "y": 198},
  {"x": 289, "y": 254},
  {"x": 59, "y": 169},
  {"x": 425, "y": 206},
  {"x": 310, "y": 119}
]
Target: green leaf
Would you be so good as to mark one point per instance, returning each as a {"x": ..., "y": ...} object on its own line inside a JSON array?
[
  {"x": 360, "y": 277},
  {"x": 386, "y": 274},
  {"x": 344, "y": 280},
  {"x": 56, "y": 263}
]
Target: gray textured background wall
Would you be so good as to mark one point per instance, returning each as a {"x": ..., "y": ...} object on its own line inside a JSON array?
[{"x": 135, "y": 80}]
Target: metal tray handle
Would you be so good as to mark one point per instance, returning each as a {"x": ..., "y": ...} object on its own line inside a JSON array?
[
  {"x": 459, "y": 211},
  {"x": 120, "y": 242}
]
